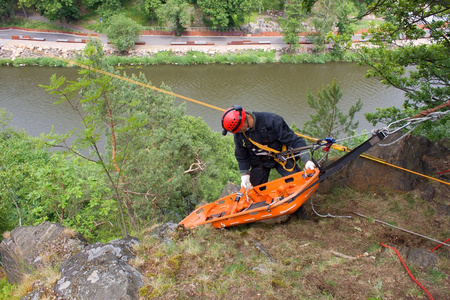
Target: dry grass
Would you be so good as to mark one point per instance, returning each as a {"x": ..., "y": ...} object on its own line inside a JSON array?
[
  {"x": 69, "y": 233},
  {"x": 24, "y": 287},
  {"x": 320, "y": 258}
]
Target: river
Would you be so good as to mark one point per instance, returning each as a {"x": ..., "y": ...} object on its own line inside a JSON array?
[{"x": 278, "y": 88}]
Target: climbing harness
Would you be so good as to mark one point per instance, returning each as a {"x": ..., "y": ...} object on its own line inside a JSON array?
[{"x": 282, "y": 160}]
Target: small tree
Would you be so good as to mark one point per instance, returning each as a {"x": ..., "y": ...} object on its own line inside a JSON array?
[
  {"x": 156, "y": 157},
  {"x": 176, "y": 14},
  {"x": 329, "y": 121},
  {"x": 151, "y": 7},
  {"x": 220, "y": 13},
  {"x": 291, "y": 24},
  {"x": 122, "y": 32}
]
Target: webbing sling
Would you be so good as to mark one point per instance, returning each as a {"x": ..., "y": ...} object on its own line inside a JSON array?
[{"x": 268, "y": 149}]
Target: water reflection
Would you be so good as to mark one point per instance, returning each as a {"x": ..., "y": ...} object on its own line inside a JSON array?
[{"x": 279, "y": 88}]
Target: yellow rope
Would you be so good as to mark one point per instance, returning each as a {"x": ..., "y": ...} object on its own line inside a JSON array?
[
  {"x": 337, "y": 147},
  {"x": 139, "y": 83},
  {"x": 376, "y": 159}
]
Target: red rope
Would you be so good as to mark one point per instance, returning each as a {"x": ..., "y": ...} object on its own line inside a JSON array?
[
  {"x": 407, "y": 270},
  {"x": 440, "y": 245},
  {"x": 442, "y": 172}
]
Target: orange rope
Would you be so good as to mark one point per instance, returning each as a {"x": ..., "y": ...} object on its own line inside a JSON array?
[{"x": 407, "y": 270}]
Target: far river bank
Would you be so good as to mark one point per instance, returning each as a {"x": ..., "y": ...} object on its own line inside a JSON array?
[{"x": 42, "y": 53}]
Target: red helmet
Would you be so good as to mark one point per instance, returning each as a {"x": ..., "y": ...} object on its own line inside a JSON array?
[{"x": 232, "y": 119}]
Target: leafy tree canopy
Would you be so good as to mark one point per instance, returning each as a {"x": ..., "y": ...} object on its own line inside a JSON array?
[
  {"x": 419, "y": 67},
  {"x": 55, "y": 10},
  {"x": 122, "y": 32},
  {"x": 222, "y": 13},
  {"x": 159, "y": 163},
  {"x": 176, "y": 14}
]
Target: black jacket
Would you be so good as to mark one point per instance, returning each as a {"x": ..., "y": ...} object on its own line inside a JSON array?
[{"x": 269, "y": 130}]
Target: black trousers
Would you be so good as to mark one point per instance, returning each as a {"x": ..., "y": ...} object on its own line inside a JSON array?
[{"x": 260, "y": 174}]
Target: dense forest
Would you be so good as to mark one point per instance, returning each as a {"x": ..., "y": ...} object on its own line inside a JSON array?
[{"x": 159, "y": 162}]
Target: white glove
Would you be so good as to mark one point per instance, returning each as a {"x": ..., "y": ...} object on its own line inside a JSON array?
[
  {"x": 310, "y": 165},
  {"x": 245, "y": 182}
]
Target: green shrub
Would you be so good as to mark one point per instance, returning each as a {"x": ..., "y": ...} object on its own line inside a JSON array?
[{"x": 5, "y": 62}]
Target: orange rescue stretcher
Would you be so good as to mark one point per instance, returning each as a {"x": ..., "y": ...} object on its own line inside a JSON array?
[{"x": 276, "y": 198}]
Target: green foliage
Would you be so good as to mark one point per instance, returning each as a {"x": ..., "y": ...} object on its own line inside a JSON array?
[
  {"x": 151, "y": 8},
  {"x": 329, "y": 121},
  {"x": 37, "y": 186},
  {"x": 291, "y": 25},
  {"x": 33, "y": 24},
  {"x": 342, "y": 40},
  {"x": 6, "y": 10},
  {"x": 222, "y": 13},
  {"x": 5, "y": 62},
  {"x": 317, "y": 59},
  {"x": 195, "y": 57},
  {"x": 323, "y": 20},
  {"x": 56, "y": 10},
  {"x": 159, "y": 162},
  {"x": 91, "y": 4},
  {"x": 176, "y": 14},
  {"x": 108, "y": 9},
  {"x": 272, "y": 4},
  {"x": 18, "y": 162},
  {"x": 422, "y": 71},
  {"x": 122, "y": 32},
  {"x": 6, "y": 289}
]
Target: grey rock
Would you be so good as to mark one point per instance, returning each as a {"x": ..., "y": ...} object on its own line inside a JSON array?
[
  {"x": 164, "y": 232},
  {"x": 28, "y": 249},
  {"x": 413, "y": 153},
  {"x": 422, "y": 258},
  {"x": 100, "y": 271}
]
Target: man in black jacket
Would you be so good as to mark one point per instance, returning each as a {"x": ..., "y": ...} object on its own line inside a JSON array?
[{"x": 255, "y": 133}]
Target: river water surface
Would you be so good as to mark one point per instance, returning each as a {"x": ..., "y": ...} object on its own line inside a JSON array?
[{"x": 278, "y": 88}]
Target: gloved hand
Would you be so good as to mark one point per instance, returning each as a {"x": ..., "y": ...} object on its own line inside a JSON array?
[
  {"x": 245, "y": 182},
  {"x": 309, "y": 165}
]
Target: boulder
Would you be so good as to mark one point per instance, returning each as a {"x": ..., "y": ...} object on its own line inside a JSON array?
[
  {"x": 100, "y": 271},
  {"x": 165, "y": 232},
  {"x": 412, "y": 153},
  {"x": 230, "y": 188},
  {"x": 418, "y": 257},
  {"x": 31, "y": 247}
]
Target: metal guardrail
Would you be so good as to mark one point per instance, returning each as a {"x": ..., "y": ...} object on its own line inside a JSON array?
[{"x": 220, "y": 29}]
